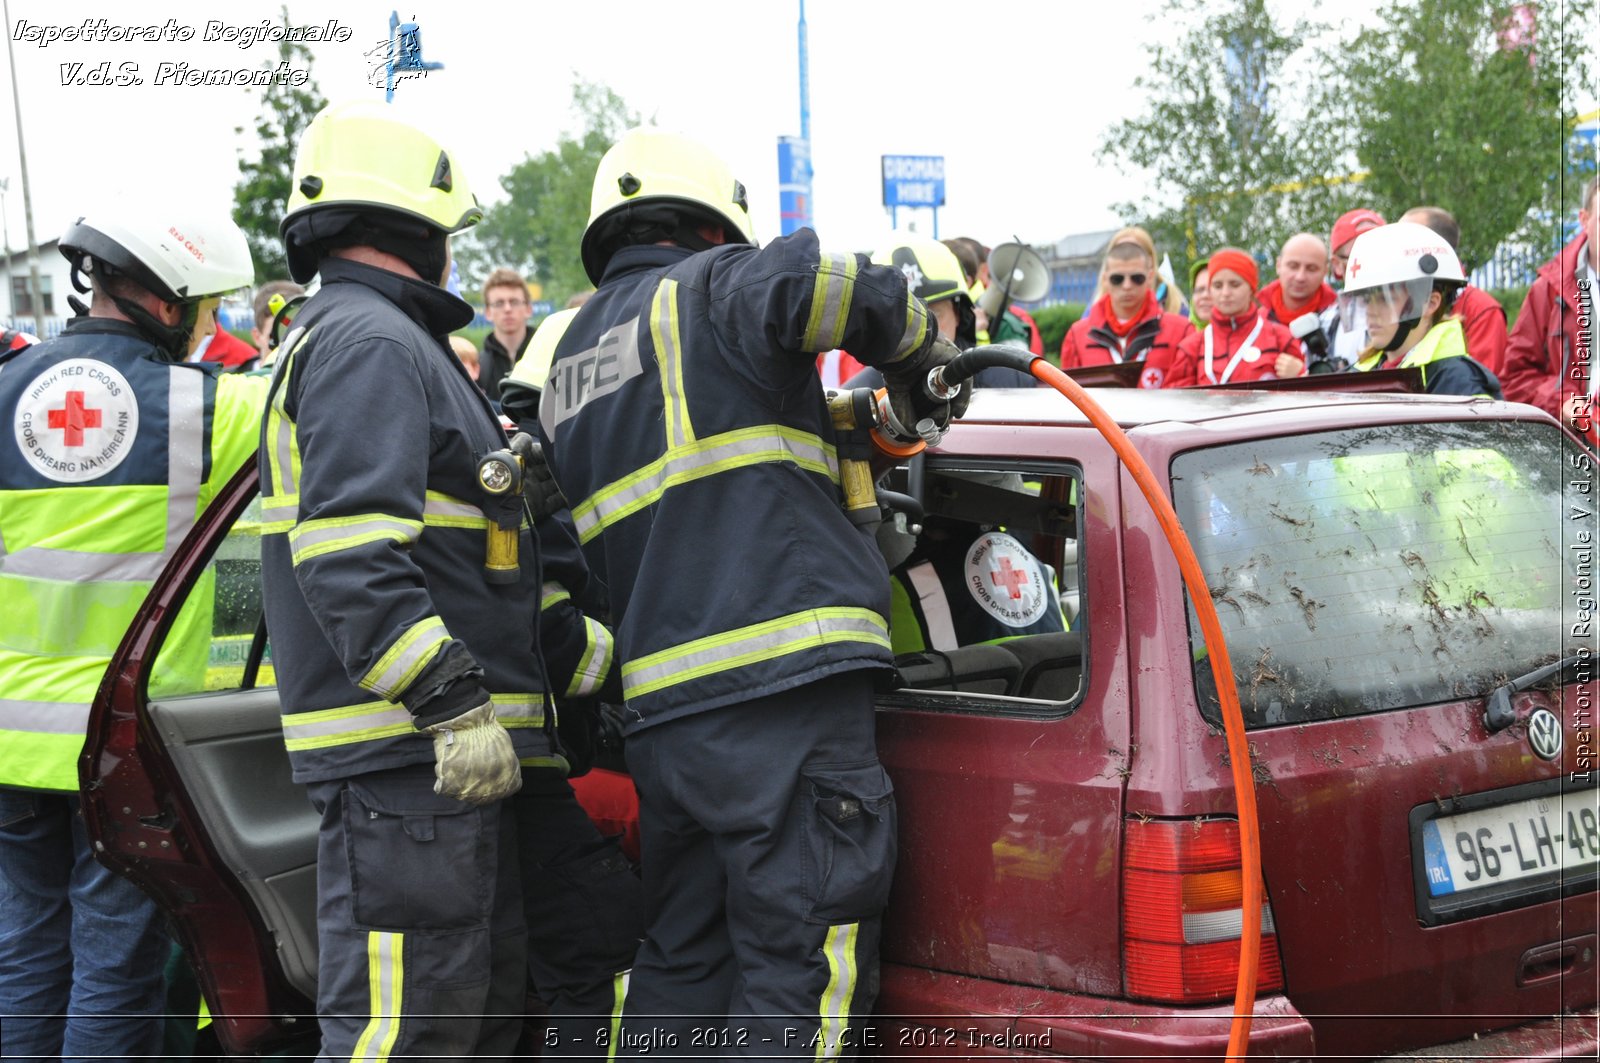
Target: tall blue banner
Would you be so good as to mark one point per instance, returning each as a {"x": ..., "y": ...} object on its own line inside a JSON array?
[{"x": 794, "y": 184}]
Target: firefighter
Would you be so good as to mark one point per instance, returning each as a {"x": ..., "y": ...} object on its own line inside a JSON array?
[
  {"x": 116, "y": 447},
  {"x": 687, "y": 426},
  {"x": 402, "y": 595}
]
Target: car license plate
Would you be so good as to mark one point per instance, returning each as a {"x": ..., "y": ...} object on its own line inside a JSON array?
[{"x": 1489, "y": 846}]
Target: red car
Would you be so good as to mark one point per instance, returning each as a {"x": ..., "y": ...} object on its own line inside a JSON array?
[{"x": 1406, "y": 585}]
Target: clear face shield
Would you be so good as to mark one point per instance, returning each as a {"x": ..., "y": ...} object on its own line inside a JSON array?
[{"x": 1386, "y": 313}]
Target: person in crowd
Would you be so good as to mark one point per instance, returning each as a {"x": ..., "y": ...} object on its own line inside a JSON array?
[
  {"x": 505, "y": 300},
  {"x": 466, "y": 354},
  {"x": 1300, "y": 287},
  {"x": 1018, "y": 326},
  {"x": 749, "y": 702},
  {"x": 224, "y": 348},
  {"x": 1240, "y": 344},
  {"x": 268, "y": 308},
  {"x": 1483, "y": 319},
  {"x": 1550, "y": 354},
  {"x": 415, "y": 658},
  {"x": 1351, "y": 224},
  {"x": 1200, "y": 293},
  {"x": 1167, "y": 295},
  {"x": 82, "y": 949},
  {"x": 1346, "y": 330},
  {"x": 1407, "y": 277},
  {"x": 1127, "y": 323}
]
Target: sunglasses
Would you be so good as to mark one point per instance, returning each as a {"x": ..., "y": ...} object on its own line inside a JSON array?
[{"x": 1138, "y": 279}]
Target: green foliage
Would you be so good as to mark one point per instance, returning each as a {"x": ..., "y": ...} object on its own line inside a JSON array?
[
  {"x": 263, "y": 186},
  {"x": 1053, "y": 322},
  {"x": 1444, "y": 112},
  {"x": 1226, "y": 140},
  {"x": 1512, "y": 299},
  {"x": 538, "y": 228}
]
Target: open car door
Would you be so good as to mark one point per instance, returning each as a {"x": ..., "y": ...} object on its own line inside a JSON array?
[{"x": 187, "y": 788}]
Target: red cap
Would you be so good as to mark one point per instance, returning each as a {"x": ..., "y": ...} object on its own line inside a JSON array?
[
  {"x": 1231, "y": 258},
  {"x": 1351, "y": 224}
]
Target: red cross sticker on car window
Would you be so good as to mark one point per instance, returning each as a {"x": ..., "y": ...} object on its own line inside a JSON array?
[
  {"x": 73, "y": 418},
  {"x": 1010, "y": 578}
]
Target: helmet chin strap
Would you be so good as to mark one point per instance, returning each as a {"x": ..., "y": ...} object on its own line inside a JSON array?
[
  {"x": 1401, "y": 331},
  {"x": 173, "y": 340}
]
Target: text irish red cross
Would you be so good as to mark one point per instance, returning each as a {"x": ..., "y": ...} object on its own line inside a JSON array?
[
  {"x": 73, "y": 418},
  {"x": 1010, "y": 578}
]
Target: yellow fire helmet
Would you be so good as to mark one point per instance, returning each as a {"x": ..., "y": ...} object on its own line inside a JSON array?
[
  {"x": 932, "y": 270},
  {"x": 520, "y": 390},
  {"x": 653, "y": 182},
  {"x": 358, "y": 154}
]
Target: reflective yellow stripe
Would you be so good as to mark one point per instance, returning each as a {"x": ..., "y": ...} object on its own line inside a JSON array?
[
  {"x": 327, "y": 535},
  {"x": 591, "y": 672},
  {"x": 619, "y": 993},
  {"x": 385, "y": 984},
  {"x": 439, "y": 510},
  {"x": 554, "y": 594},
  {"x": 830, "y": 303},
  {"x": 916, "y": 329},
  {"x": 745, "y": 447},
  {"x": 349, "y": 724},
  {"x": 669, "y": 362},
  {"x": 765, "y": 641},
  {"x": 283, "y": 449},
  {"x": 409, "y": 655},
  {"x": 834, "y": 1008},
  {"x": 279, "y": 513}
]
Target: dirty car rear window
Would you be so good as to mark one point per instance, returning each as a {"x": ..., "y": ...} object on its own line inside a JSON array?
[{"x": 1378, "y": 568}]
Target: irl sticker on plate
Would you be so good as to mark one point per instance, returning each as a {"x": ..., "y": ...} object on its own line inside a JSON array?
[
  {"x": 77, "y": 420},
  {"x": 1006, "y": 580}
]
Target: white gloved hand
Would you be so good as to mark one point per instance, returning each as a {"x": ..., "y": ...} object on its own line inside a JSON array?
[{"x": 473, "y": 758}]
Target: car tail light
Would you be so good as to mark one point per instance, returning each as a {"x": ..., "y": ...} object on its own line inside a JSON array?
[{"x": 1182, "y": 913}]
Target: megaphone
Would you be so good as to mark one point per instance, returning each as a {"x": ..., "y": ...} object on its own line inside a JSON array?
[{"x": 1016, "y": 273}]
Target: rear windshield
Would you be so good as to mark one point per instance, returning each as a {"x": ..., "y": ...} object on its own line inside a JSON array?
[{"x": 1372, "y": 569}]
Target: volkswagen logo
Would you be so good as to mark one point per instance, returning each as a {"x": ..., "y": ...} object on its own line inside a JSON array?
[{"x": 1544, "y": 734}]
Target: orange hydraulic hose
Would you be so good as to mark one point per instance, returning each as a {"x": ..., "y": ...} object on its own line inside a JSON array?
[{"x": 1221, "y": 669}]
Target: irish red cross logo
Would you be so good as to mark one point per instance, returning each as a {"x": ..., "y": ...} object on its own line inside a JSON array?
[
  {"x": 73, "y": 418},
  {"x": 1010, "y": 578}
]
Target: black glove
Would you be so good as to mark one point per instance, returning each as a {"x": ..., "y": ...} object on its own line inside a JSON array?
[
  {"x": 911, "y": 403},
  {"x": 539, "y": 485}
]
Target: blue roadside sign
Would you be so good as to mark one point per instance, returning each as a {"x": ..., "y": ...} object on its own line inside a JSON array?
[
  {"x": 913, "y": 180},
  {"x": 794, "y": 184}
]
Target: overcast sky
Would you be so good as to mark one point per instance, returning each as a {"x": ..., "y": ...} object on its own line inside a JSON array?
[{"x": 1016, "y": 104}]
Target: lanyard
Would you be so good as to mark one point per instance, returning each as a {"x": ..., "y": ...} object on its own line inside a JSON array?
[{"x": 1248, "y": 345}]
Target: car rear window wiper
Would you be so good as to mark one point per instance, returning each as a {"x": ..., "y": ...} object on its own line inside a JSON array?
[{"x": 1498, "y": 713}]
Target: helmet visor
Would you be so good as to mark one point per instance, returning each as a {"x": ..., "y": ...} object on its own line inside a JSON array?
[{"x": 1380, "y": 311}]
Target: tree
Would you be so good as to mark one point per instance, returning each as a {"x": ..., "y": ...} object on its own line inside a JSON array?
[
  {"x": 263, "y": 188},
  {"x": 538, "y": 229},
  {"x": 1229, "y": 143},
  {"x": 1452, "y": 107}
]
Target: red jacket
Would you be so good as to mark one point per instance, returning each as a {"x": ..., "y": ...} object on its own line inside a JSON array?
[
  {"x": 1271, "y": 298},
  {"x": 1542, "y": 348},
  {"x": 1483, "y": 319},
  {"x": 1228, "y": 339},
  {"x": 228, "y": 349},
  {"x": 1090, "y": 340}
]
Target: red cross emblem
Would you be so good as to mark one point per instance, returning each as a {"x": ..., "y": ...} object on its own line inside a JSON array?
[
  {"x": 1010, "y": 578},
  {"x": 73, "y": 418}
]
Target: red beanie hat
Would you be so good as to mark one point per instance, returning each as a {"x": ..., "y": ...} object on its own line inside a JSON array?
[
  {"x": 1351, "y": 224},
  {"x": 1231, "y": 258}
]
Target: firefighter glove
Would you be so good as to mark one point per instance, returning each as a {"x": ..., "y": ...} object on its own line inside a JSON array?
[
  {"x": 473, "y": 758},
  {"x": 914, "y": 410},
  {"x": 539, "y": 485}
]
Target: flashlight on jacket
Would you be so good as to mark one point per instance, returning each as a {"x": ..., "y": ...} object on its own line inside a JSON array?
[{"x": 500, "y": 473}]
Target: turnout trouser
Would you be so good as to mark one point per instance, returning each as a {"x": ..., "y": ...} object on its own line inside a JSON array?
[
  {"x": 768, "y": 838},
  {"x": 423, "y": 941}
]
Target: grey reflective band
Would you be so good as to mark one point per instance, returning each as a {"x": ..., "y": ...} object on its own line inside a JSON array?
[
  {"x": 44, "y": 717},
  {"x": 669, "y": 362},
  {"x": 399, "y": 666},
  {"x": 833, "y": 1010},
  {"x": 331, "y": 534},
  {"x": 830, "y": 303},
  {"x": 439, "y": 510},
  {"x": 704, "y": 457},
  {"x": 186, "y": 433},
  {"x": 916, "y": 329},
  {"x": 941, "y": 626}
]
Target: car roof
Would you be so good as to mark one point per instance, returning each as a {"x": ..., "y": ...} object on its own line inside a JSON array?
[{"x": 1132, "y": 407}]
